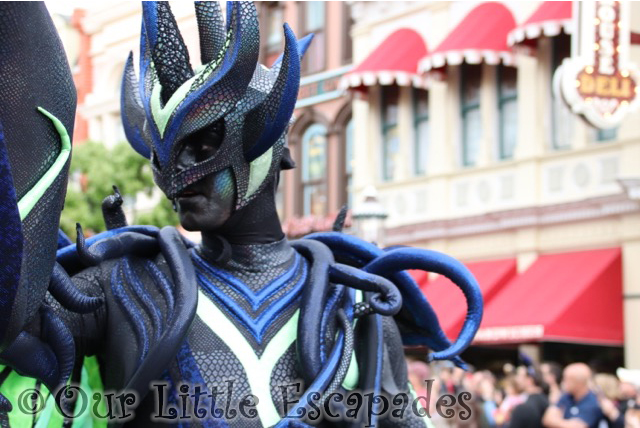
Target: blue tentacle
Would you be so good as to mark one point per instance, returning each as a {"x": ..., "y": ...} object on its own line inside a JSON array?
[
  {"x": 29, "y": 356},
  {"x": 433, "y": 261},
  {"x": 131, "y": 311},
  {"x": 145, "y": 299},
  {"x": 356, "y": 252},
  {"x": 117, "y": 246},
  {"x": 385, "y": 300},
  {"x": 65, "y": 292},
  {"x": 312, "y": 305},
  {"x": 60, "y": 339}
]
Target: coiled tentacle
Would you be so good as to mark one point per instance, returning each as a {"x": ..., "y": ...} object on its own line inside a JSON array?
[
  {"x": 321, "y": 382},
  {"x": 356, "y": 252},
  {"x": 345, "y": 358},
  {"x": 385, "y": 300},
  {"x": 314, "y": 297},
  {"x": 29, "y": 356},
  {"x": 59, "y": 338},
  {"x": 64, "y": 291},
  {"x": 433, "y": 261},
  {"x": 178, "y": 322},
  {"x": 117, "y": 246}
]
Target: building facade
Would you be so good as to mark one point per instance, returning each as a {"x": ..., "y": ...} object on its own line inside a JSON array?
[{"x": 474, "y": 154}]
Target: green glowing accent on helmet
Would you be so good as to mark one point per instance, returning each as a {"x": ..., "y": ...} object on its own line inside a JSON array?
[
  {"x": 259, "y": 169},
  {"x": 28, "y": 201},
  {"x": 161, "y": 115}
]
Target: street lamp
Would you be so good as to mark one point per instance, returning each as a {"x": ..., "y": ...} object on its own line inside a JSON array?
[{"x": 369, "y": 216}]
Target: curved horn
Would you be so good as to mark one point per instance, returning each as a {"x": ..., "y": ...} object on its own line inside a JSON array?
[
  {"x": 276, "y": 109},
  {"x": 303, "y": 45},
  {"x": 168, "y": 50},
  {"x": 221, "y": 84},
  {"x": 146, "y": 78},
  {"x": 210, "y": 29},
  {"x": 132, "y": 110}
]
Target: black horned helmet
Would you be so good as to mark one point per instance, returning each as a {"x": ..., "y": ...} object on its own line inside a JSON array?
[{"x": 171, "y": 100}]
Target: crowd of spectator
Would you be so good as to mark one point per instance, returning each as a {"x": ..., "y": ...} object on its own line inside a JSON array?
[{"x": 531, "y": 396}]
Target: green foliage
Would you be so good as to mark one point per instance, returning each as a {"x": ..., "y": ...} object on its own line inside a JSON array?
[{"x": 94, "y": 170}]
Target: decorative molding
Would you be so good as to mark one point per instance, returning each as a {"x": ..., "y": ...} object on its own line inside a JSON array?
[{"x": 588, "y": 209}]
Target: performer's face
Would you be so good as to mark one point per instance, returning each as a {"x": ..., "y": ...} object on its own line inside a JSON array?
[{"x": 207, "y": 204}]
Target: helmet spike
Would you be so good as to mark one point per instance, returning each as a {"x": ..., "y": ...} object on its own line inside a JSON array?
[
  {"x": 168, "y": 50},
  {"x": 133, "y": 116},
  {"x": 268, "y": 121},
  {"x": 211, "y": 29}
]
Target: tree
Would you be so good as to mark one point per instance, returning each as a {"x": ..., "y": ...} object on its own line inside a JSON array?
[{"x": 94, "y": 170}]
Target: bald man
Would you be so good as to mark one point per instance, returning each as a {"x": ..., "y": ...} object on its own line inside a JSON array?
[{"x": 579, "y": 407}]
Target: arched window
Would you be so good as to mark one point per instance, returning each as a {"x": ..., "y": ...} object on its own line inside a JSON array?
[{"x": 314, "y": 170}]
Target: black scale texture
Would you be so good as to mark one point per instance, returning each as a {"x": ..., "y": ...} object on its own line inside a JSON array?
[
  {"x": 256, "y": 266},
  {"x": 28, "y": 42}
]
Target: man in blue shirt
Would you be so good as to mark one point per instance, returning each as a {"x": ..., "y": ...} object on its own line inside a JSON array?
[{"x": 579, "y": 407}]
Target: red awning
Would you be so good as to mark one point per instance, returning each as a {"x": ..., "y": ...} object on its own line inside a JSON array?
[
  {"x": 480, "y": 37},
  {"x": 449, "y": 302},
  {"x": 395, "y": 60},
  {"x": 549, "y": 20},
  {"x": 569, "y": 297}
]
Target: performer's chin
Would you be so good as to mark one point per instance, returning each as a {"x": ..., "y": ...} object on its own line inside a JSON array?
[{"x": 198, "y": 213}]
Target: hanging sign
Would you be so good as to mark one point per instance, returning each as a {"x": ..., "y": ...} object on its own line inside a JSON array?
[{"x": 599, "y": 82}]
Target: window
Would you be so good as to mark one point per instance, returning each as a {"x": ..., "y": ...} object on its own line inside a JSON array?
[
  {"x": 348, "y": 160},
  {"x": 390, "y": 137},
  {"x": 561, "y": 117},
  {"x": 421, "y": 130},
  {"x": 470, "y": 113},
  {"x": 507, "y": 110},
  {"x": 606, "y": 134},
  {"x": 347, "y": 41},
  {"x": 272, "y": 18},
  {"x": 312, "y": 17},
  {"x": 274, "y": 30},
  {"x": 314, "y": 168}
]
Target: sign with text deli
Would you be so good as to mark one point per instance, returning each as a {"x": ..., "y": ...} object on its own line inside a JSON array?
[{"x": 599, "y": 82}]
